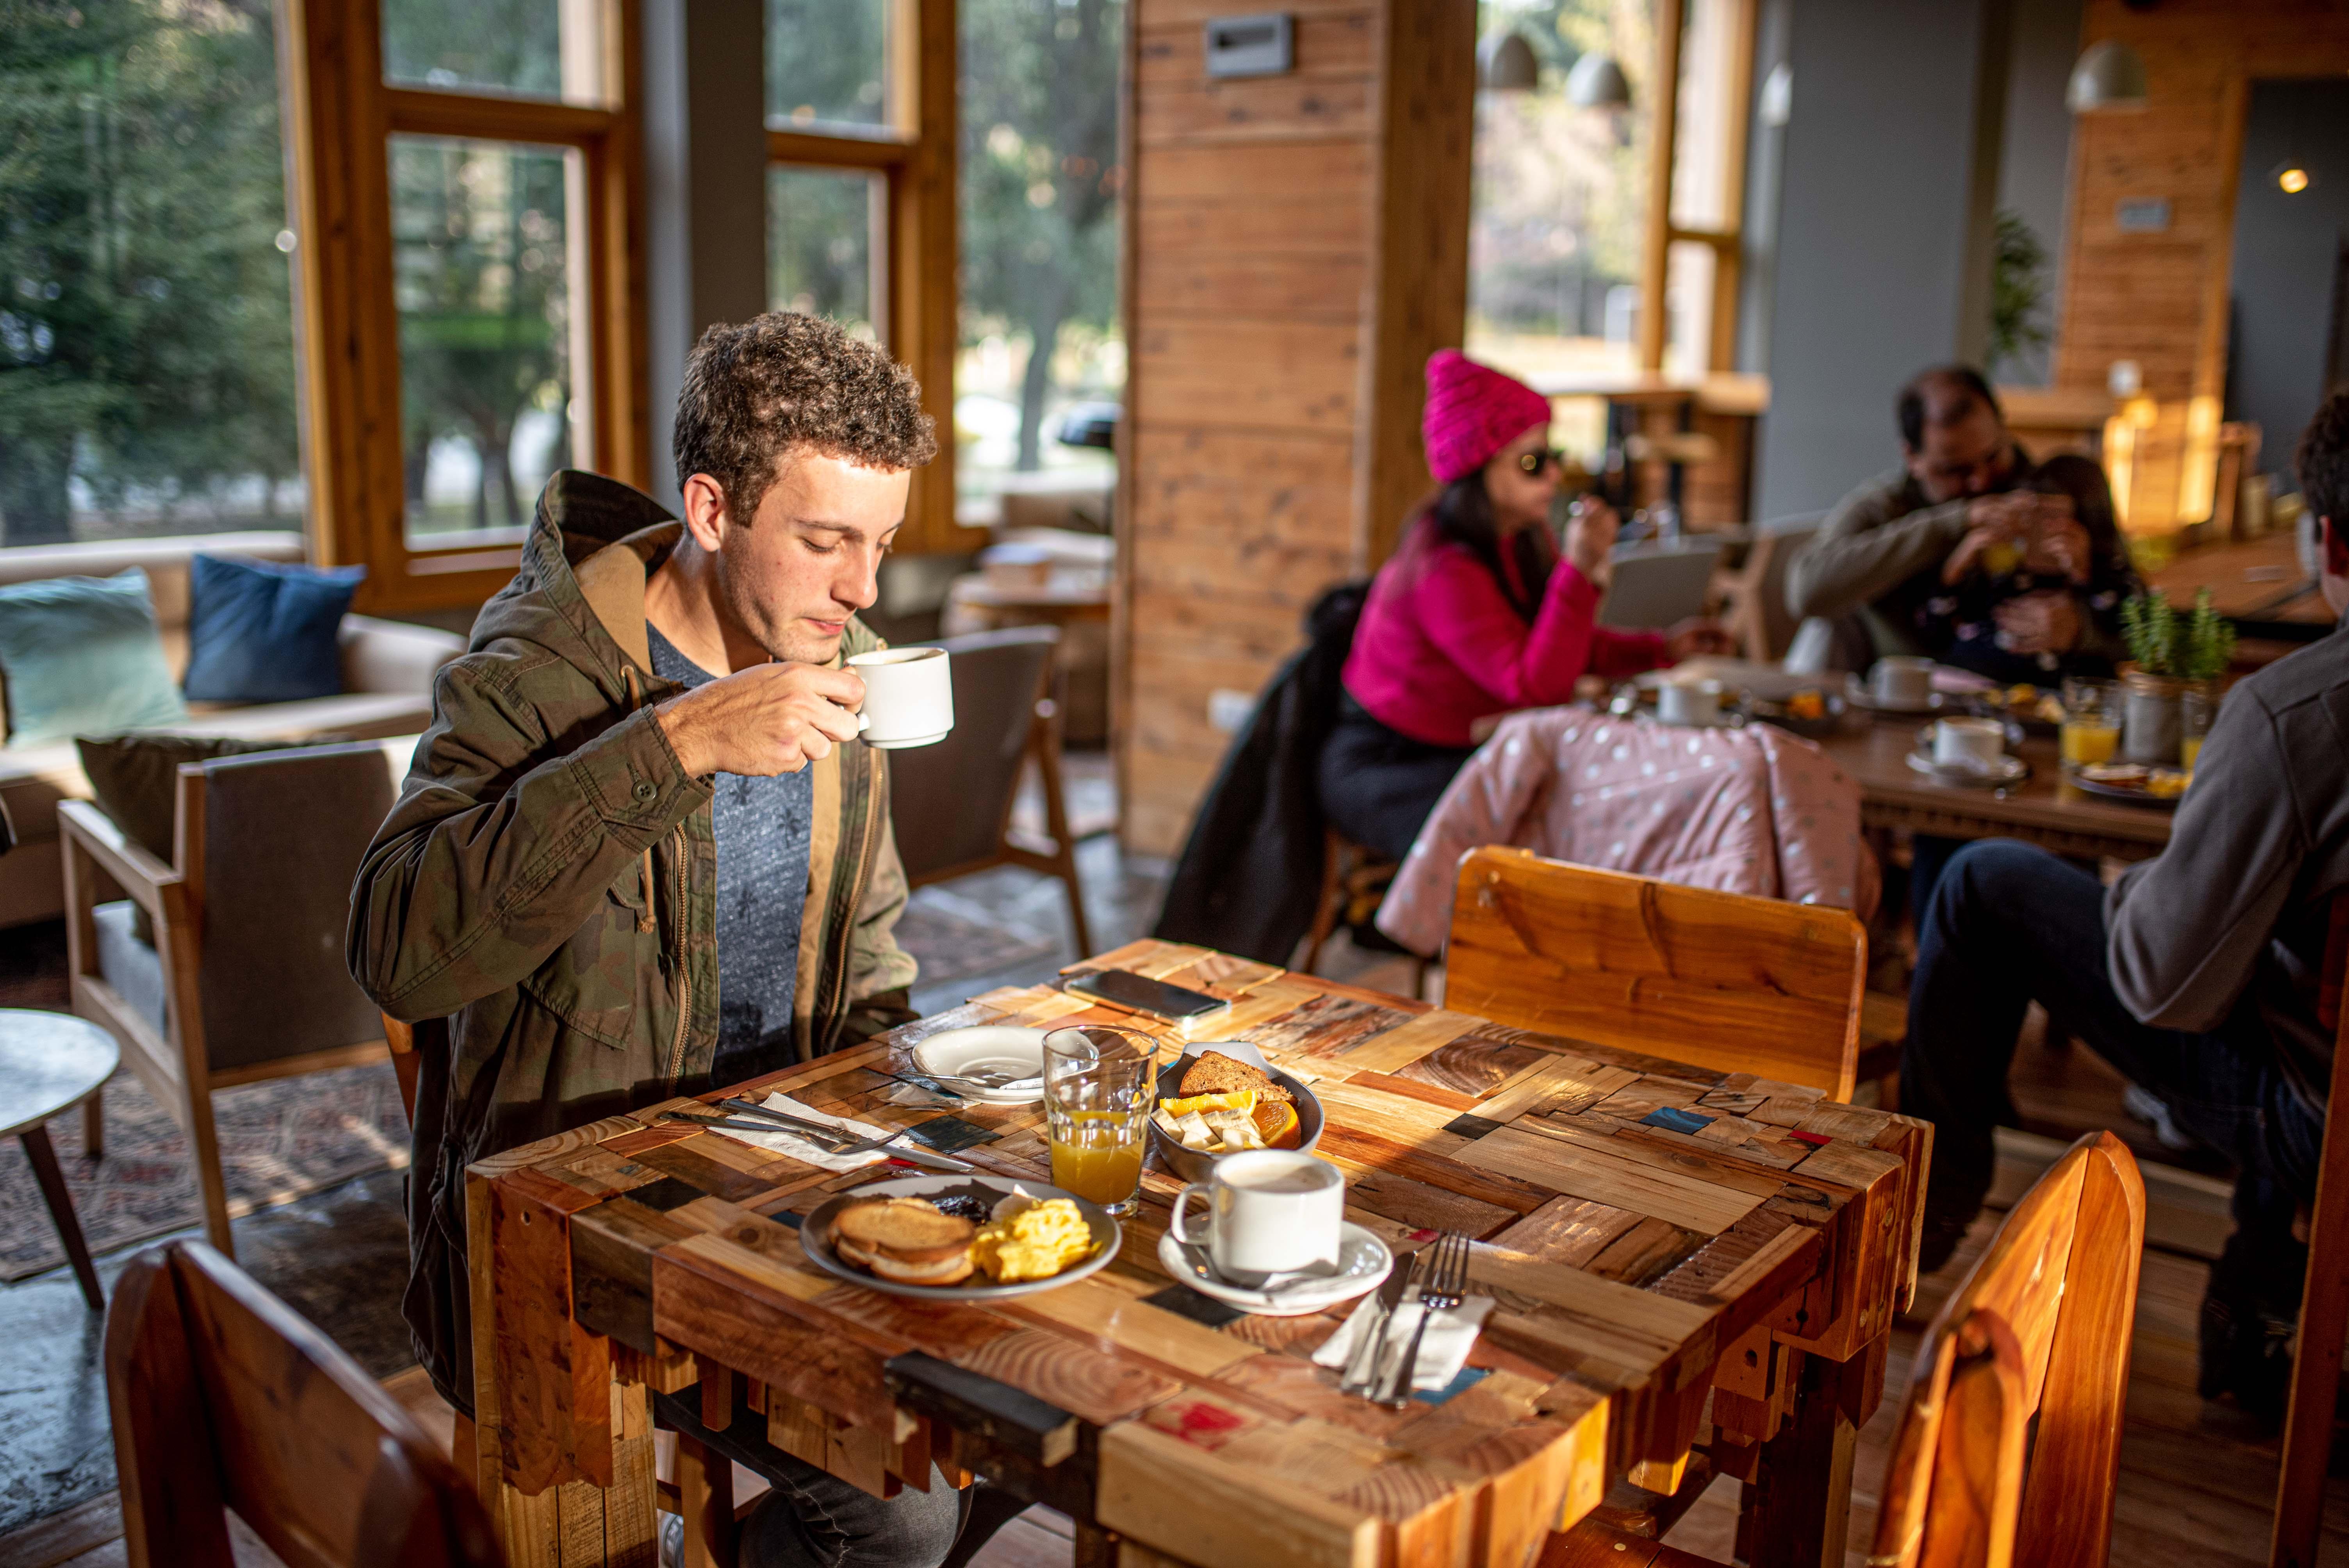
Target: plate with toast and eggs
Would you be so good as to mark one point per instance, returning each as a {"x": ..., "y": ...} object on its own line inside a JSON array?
[{"x": 959, "y": 1238}]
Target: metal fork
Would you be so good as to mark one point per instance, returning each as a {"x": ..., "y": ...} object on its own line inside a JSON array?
[{"x": 1445, "y": 1286}]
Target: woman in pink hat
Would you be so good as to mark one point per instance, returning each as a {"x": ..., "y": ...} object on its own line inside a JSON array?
[{"x": 1476, "y": 614}]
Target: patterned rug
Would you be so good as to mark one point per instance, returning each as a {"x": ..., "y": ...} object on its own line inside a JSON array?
[{"x": 278, "y": 1141}]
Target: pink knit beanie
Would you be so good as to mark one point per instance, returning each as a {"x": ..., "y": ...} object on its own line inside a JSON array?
[{"x": 1472, "y": 411}]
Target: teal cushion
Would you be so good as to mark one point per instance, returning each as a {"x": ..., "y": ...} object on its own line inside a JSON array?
[{"x": 82, "y": 656}]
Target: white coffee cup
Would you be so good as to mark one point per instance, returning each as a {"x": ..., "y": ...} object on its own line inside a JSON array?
[
  {"x": 1974, "y": 743},
  {"x": 1687, "y": 702},
  {"x": 1269, "y": 1211},
  {"x": 1902, "y": 680},
  {"x": 908, "y": 697}
]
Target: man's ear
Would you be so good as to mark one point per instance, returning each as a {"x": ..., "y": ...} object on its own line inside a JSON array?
[{"x": 706, "y": 516}]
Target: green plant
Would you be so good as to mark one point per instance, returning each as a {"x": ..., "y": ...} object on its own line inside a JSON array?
[
  {"x": 2018, "y": 290},
  {"x": 2193, "y": 646}
]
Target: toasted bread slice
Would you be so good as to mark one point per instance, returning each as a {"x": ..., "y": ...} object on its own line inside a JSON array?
[
  {"x": 907, "y": 1229},
  {"x": 952, "y": 1269},
  {"x": 1216, "y": 1073}
]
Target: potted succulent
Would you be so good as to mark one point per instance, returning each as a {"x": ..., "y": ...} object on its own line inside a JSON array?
[{"x": 2171, "y": 651}]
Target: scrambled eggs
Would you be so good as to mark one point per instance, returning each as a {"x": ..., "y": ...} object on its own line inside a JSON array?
[{"x": 1037, "y": 1242}]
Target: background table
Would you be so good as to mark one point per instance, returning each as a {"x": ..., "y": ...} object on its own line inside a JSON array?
[
  {"x": 2043, "y": 810},
  {"x": 1638, "y": 1269},
  {"x": 49, "y": 1063}
]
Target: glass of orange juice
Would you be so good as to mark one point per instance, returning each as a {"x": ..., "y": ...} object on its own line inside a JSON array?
[
  {"x": 2092, "y": 721},
  {"x": 2196, "y": 709},
  {"x": 1100, "y": 1084}
]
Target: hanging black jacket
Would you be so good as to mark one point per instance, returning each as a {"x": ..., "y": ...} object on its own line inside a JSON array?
[{"x": 1249, "y": 875}]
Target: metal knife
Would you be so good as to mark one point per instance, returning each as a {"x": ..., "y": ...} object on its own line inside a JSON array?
[{"x": 1361, "y": 1367}]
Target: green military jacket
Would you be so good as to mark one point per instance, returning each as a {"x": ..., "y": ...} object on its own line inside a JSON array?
[{"x": 542, "y": 901}]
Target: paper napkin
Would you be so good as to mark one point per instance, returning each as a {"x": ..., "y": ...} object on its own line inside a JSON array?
[
  {"x": 784, "y": 1141},
  {"x": 1443, "y": 1350}
]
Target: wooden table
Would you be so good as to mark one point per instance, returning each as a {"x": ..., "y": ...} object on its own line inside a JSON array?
[
  {"x": 49, "y": 1063},
  {"x": 1638, "y": 1269},
  {"x": 2259, "y": 583},
  {"x": 2043, "y": 810}
]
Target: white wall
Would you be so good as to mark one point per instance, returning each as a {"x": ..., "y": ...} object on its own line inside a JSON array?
[{"x": 1875, "y": 195}]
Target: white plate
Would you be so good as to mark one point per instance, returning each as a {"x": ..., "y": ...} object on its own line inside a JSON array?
[
  {"x": 815, "y": 1235},
  {"x": 1362, "y": 1261},
  {"x": 2010, "y": 770},
  {"x": 1002, "y": 1047}
]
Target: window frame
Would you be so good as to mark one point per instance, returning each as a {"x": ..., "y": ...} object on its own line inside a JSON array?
[
  {"x": 341, "y": 117},
  {"x": 1660, "y": 234},
  {"x": 916, "y": 297}
]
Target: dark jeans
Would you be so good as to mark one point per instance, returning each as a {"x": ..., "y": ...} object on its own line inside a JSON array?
[
  {"x": 2009, "y": 925},
  {"x": 1378, "y": 785},
  {"x": 816, "y": 1520}
]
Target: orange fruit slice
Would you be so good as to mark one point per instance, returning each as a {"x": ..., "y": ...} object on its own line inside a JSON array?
[
  {"x": 1276, "y": 1123},
  {"x": 1230, "y": 1099}
]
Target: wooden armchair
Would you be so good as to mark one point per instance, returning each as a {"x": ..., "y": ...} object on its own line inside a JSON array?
[
  {"x": 1717, "y": 979},
  {"x": 223, "y": 1398},
  {"x": 2039, "y": 1331},
  {"x": 246, "y": 979}
]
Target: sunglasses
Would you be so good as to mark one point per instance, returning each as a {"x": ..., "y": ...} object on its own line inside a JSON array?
[{"x": 1535, "y": 462}]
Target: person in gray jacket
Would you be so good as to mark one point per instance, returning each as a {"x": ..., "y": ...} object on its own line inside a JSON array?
[{"x": 2208, "y": 975}]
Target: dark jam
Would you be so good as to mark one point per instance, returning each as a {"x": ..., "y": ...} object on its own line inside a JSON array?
[{"x": 963, "y": 1206}]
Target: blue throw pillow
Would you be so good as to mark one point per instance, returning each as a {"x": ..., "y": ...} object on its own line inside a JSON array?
[
  {"x": 82, "y": 656},
  {"x": 260, "y": 631}
]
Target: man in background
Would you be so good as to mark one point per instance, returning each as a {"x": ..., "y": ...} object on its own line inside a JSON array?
[{"x": 2202, "y": 974}]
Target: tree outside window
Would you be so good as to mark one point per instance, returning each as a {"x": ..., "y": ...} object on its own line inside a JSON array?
[
  {"x": 146, "y": 330},
  {"x": 1040, "y": 241}
]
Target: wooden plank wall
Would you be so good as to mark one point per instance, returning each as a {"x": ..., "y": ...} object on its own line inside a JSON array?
[
  {"x": 2161, "y": 299},
  {"x": 1255, "y": 274}
]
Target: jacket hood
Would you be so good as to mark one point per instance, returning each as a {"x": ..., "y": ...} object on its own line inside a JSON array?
[{"x": 580, "y": 591}]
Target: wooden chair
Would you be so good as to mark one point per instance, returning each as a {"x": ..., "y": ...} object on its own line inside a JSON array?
[
  {"x": 246, "y": 979},
  {"x": 1720, "y": 980},
  {"x": 950, "y": 804},
  {"x": 223, "y": 1398},
  {"x": 2323, "y": 1305},
  {"x": 2040, "y": 1330},
  {"x": 1354, "y": 882},
  {"x": 1758, "y": 616}
]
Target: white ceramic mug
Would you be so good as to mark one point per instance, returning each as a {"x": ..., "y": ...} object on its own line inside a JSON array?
[
  {"x": 1975, "y": 743},
  {"x": 1269, "y": 1211},
  {"x": 908, "y": 697},
  {"x": 1687, "y": 702},
  {"x": 1902, "y": 680}
]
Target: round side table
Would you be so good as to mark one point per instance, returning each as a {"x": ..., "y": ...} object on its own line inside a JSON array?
[{"x": 49, "y": 1063}]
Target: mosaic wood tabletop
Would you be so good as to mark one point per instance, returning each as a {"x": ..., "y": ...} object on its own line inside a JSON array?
[{"x": 1654, "y": 1234}]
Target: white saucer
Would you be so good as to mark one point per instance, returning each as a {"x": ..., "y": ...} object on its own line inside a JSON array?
[
  {"x": 1003, "y": 1048},
  {"x": 1363, "y": 1261},
  {"x": 2009, "y": 770},
  {"x": 1857, "y": 693}
]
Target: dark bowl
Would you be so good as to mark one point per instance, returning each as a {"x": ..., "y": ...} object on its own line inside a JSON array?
[{"x": 1192, "y": 1164}]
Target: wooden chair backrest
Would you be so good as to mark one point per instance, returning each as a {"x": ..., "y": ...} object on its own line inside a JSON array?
[
  {"x": 222, "y": 1398},
  {"x": 2041, "y": 1325},
  {"x": 1716, "y": 979}
]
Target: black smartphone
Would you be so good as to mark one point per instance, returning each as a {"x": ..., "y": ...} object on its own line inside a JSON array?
[{"x": 1124, "y": 988}]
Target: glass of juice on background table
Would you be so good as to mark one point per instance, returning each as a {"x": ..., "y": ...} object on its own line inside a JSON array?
[
  {"x": 2092, "y": 721},
  {"x": 2196, "y": 708},
  {"x": 1100, "y": 1084}
]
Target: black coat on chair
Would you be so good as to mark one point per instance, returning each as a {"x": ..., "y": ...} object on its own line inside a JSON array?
[{"x": 1248, "y": 878}]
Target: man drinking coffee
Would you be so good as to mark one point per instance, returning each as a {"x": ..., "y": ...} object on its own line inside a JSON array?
[{"x": 641, "y": 850}]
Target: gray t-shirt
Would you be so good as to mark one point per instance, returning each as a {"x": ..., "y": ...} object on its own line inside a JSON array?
[{"x": 763, "y": 828}]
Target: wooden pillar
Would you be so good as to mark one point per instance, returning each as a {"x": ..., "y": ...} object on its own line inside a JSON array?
[
  {"x": 1663, "y": 139},
  {"x": 1417, "y": 301}
]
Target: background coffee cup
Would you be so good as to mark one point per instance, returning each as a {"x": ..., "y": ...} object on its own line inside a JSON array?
[
  {"x": 1969, "y": 742},
  {"x": 1903, "y": 679},
  {"x": 908, "y": 697},
  {"x": 1269, "y": 1211},
  {"x": 1687, "y": 702}
]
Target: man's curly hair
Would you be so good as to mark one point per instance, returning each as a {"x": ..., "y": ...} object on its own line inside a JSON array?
[
  {"x": 2323, "y": 460},
  {"x": 754, "y": 391}
]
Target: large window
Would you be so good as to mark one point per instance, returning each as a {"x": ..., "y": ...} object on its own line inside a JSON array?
[
  {"x": 468, "y": 200},
  {"x": 1570, "y": 230},
  {"x": 1040, "y": 180},
  {"x": 147, "y": 380},
  {"x": 859, "y": 184}
]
